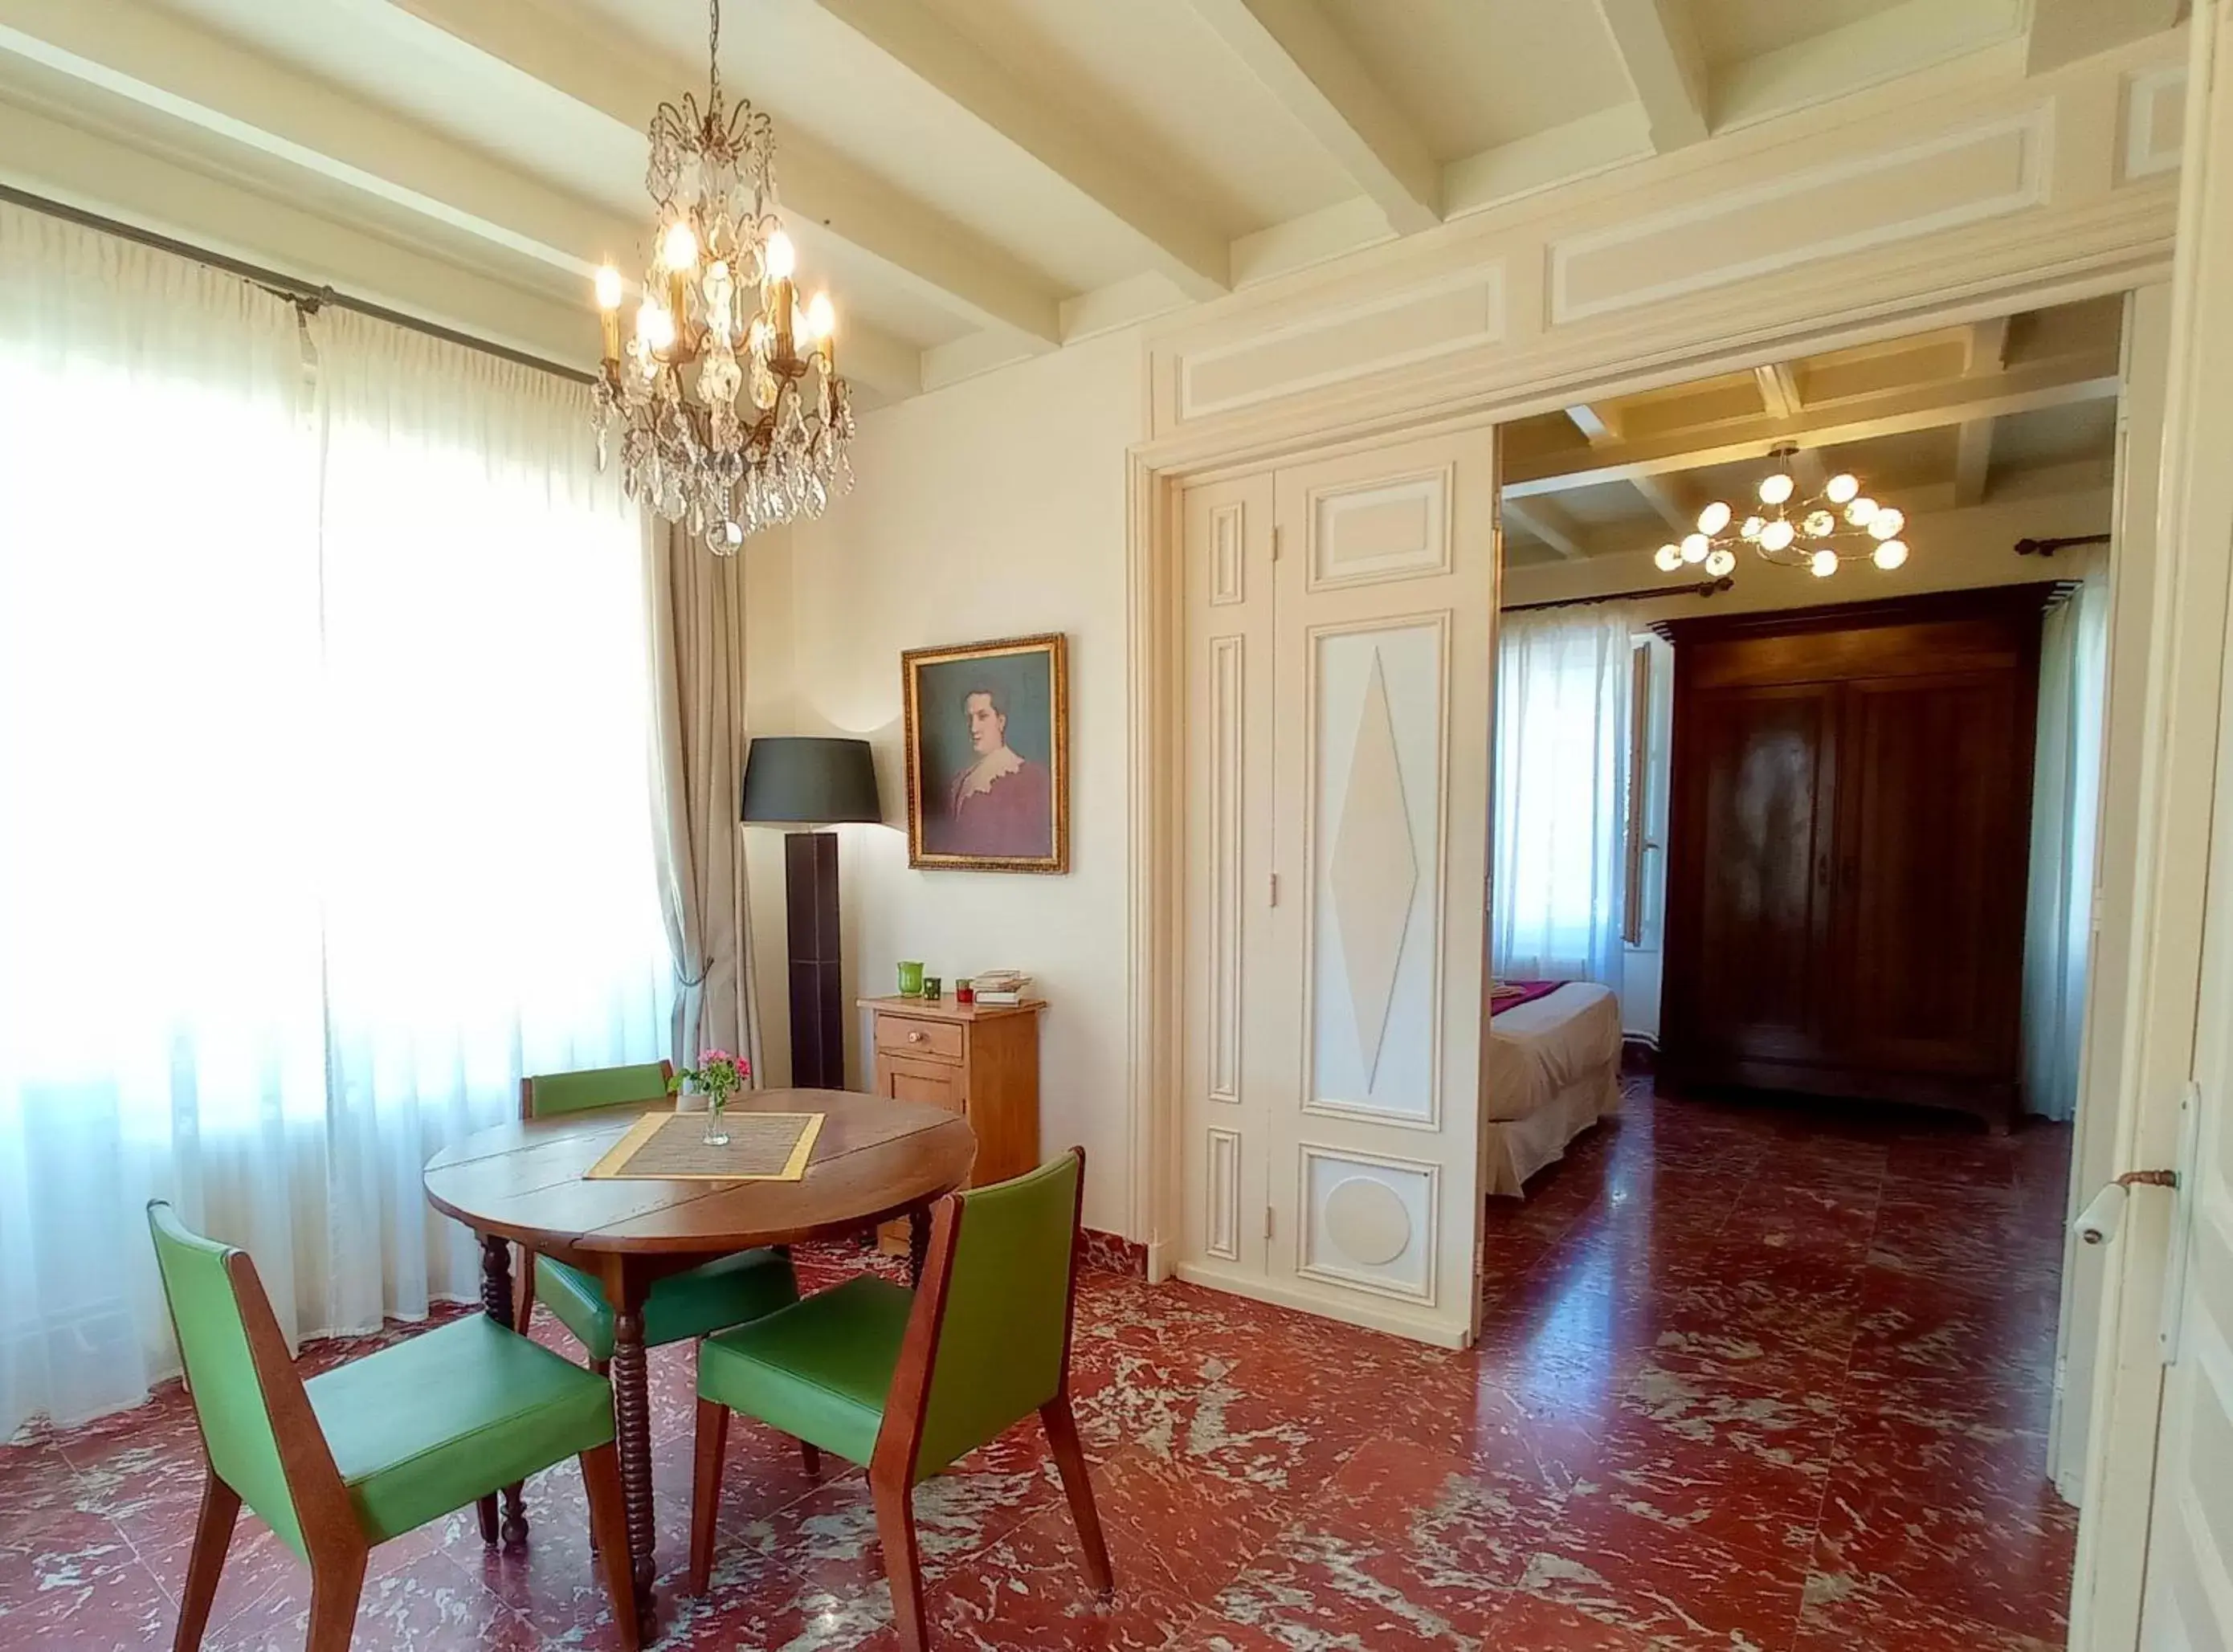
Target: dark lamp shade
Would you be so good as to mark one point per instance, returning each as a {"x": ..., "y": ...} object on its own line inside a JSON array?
[{"x": 806, "y": 780}]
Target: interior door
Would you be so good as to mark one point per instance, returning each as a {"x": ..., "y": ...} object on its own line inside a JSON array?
[
  {"x": 1384, "y": 657},
  {"x": 1339, "y": 624},
  {"x": 1230, "y": 1058},
  {"x": 2187, "y": 1599},
  {"x": 1754, "y": 874},
  {"x": 1935, "y": 794}
]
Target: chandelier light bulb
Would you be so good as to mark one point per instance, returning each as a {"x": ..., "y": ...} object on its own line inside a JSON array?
[
  {"x": 1842, "y": 487},
  {"x": 1777, "y": 536},
  {"x": 1669, "y": 558},
  {"x": 1823, "y": 563},
  {"x": 782, "y": 256},
  {"x": 1819, "y": 525},
  {"x": 1861, "y": 511},
  {"x": 1721, "y": 563},
  {"x": 678, "y": 247},
  {"x": 1887, "y": 524},
  {"x": 609, "y": 289},
  {"x": 1694, "y": 546},
  {"x": 1713, "y": 518},
  {"x": 1890, "y": 554},
  {"x": 1751, "y": 529},
  {"x": 1774, "y": 488},
  {"x": 821, "y": 317}
]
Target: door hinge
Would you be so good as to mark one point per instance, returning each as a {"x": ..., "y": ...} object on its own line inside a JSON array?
[
  {"x": 1275, "y": 541},
  {"x": 1274, "y": 881},
  {"x": 1268, "y": 1221}
]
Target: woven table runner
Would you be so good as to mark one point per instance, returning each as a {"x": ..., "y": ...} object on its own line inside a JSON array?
[{"x": 671, "y": 1147}]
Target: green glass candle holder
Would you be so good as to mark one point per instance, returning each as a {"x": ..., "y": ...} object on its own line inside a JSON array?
[{"x": 910, "y": 979}]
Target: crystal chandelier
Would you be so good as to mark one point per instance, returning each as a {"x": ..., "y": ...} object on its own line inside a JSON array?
[
  {"x": 1820, "y": 534},
  {"x": 732, "y": 415}
]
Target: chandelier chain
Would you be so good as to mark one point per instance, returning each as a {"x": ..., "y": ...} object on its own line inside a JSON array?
[{"x": 713, "y": 51}]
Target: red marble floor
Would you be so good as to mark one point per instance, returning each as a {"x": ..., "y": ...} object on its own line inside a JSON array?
[{"x": 1750, "y": 1380}]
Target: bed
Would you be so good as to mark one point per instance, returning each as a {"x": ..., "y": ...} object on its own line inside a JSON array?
[{"x": 1553, "y": 1071}]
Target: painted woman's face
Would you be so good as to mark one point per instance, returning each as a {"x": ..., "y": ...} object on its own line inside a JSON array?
[{"x": 988, "y": 729}]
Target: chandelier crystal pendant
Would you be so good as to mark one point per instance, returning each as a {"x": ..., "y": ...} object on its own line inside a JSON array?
[
  {"x": 1820, "y": 534},
  {"x": 731, "y": 413}
]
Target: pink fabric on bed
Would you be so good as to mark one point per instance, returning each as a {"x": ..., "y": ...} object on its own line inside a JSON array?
[{"x": 1510, "y": 995}]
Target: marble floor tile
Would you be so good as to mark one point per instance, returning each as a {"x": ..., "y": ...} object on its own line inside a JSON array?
[{"x": 1750, "y": 1378}]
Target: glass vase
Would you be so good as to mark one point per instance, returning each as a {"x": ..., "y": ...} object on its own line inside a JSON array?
[{"x": 717, "y": 1132}]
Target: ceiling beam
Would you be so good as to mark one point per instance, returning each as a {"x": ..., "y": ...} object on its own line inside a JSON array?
[
  {"x": 1988, "y": 349},
  {"x": 1596, "y": 425},
  {"x": 1779, "y": 390},
  {"x": 2062, "y": 31},
  {"x": 1291, "y": 48},
  {"x": 1185, "y": 245},
  {"x": 1545, "y": 521},
  {"x": 1658, "y": 47},
  {"x": 186, "y": 74},
  {"x": 823, "y": 191},
  {"x": 1671, "y": 499},
  {"x": 1973, "y": 461},
  {"x": 2088, "y": 376}
]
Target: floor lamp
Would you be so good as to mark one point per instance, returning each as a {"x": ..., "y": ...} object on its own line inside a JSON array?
[{"x": 805, "y": 780}]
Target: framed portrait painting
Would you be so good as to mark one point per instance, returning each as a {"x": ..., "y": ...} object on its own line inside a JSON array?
[{"x": 988, "y": 755}]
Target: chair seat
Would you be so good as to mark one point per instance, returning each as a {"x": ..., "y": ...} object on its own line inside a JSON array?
[
  {"x": 429, "y": 1424},
  {"x": 818, "y": 1371},
  {"x": 680, "y": 1307}
]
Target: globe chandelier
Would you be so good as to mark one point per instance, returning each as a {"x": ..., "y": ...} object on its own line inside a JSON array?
[
  {"x": 1820, "y": 533},
  {"x": 730, "y": 411}
]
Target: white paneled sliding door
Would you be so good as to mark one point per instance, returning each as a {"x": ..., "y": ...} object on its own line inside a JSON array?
[{"x": 1339, "y": 621}]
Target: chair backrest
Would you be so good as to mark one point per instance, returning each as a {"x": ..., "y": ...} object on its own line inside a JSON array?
[
  {"x": 255, "y": 1419},
  {"x": 544, "y": 1095},
  {"x": 989, "y": 1342}
]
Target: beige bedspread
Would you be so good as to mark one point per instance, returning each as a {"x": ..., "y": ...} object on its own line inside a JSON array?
[{"x": 1553, "y": 1071}]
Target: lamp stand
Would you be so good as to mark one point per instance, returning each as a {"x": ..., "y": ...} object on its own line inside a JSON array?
[{"x": 817, "y": 1015}]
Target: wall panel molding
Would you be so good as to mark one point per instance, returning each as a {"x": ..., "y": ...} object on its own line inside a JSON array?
[
  {"x": 1229, "y": 685},
  {"x": 1457, "y": 312},
  {"x": 1221, "y": 1226},
  {"x": 1807, "y": 217},
  {"x": 1370, "y": 1222},
  {"x": 2155, "y": 122}
]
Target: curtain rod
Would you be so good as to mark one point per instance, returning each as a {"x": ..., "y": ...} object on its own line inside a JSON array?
[
  {"x": 1704, "y": 588},
  {"x": 293, "y": 288}
]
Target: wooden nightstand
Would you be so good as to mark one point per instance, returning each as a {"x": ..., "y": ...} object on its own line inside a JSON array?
[{"x": 982, "y": 1060}]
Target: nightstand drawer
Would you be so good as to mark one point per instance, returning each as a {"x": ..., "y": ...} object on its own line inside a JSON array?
[{"x": 900, "y": 1035}]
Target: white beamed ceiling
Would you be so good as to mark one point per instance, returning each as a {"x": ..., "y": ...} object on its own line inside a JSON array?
[{"x": 976, "y": 181}]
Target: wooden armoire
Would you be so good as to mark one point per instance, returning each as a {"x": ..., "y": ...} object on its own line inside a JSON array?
[{"x": 1848, "y": 838}]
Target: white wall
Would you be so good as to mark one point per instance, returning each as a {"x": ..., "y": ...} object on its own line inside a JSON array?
[{"x": 991, "y": 509}]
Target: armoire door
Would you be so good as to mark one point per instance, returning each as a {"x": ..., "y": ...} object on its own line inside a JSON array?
[
  {"x": 1936, "y": 793},
  {"x": 1338, "y": 723},
  {"x": 1749, "y": 886}
]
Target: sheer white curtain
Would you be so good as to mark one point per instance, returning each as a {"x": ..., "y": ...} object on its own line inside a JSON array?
[
  {"x": 324, "y": 806},
  {"x": 2065, "y": 822},
  {"x": 1562, "y": 712}
]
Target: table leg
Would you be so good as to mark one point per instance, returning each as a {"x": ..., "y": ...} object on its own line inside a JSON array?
[
  {"x": 496, "y": 1302},
  {"x": 632, "y": 1423},
  {"x": 918, "y": 1243}
]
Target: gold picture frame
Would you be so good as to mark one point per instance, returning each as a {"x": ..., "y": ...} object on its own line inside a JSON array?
[{"x": 988, "y": 755}]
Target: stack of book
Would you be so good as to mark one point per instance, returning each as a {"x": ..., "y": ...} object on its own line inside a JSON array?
[{"x": 1002, "y": 986}]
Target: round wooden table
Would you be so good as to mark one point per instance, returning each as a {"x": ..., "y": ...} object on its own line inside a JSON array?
[{"x": 874, "y": 1159}]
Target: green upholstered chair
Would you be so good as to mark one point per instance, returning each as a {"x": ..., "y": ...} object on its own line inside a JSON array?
[
  {"x": 680, "y": 1307},
  {"x": 906, "y": 1381},
  {"x": 344, "y": 1462}
]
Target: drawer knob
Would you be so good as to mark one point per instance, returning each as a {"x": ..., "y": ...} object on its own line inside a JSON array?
[{"x": 915, "y": 1037}]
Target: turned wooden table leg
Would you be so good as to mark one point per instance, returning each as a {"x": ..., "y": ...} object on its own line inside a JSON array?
[
  {"x": 632, "y": 1425},
  {"x": 496, "y": 1302},
  {"x": 918, "y": 1243}
]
